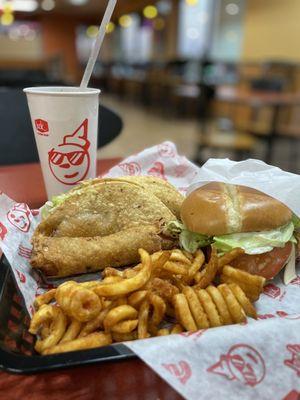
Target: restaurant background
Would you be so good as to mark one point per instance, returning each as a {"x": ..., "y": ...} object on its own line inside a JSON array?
[{"x": 219, "y": 78}]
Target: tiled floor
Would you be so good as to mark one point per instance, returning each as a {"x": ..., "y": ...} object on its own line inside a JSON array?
[{"x": 144, "y": 128}]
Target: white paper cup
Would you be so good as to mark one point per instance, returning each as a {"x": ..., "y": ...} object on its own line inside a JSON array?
[{"x": 65, "y": 124}]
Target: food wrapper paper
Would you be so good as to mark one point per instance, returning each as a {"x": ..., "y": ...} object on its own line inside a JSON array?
[{"x": 259, "y": 359}]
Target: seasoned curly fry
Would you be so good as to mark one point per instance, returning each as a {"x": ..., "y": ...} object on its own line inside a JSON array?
[
  {"x": 209, "y": 272},
  {"x": 72, "y": 332},
  {"x": 124, "y": 337},
  {"x": 228, "y": 257},
  {"x": 49, "y": 315},
  {"x": 143, "y": 320},
  {"x": 125, "y": 326},
  {"x": 209, "y": 308},
  {"x": 177, "y": 328},
  {"x": 128, "y": 285},
  {"x": 163, "y": 288},
  {"x": 159, "y": 309},
  {"x": 220, "y": 304},
  {"x": 178, "y": 256},
  {"x": 196, "y": 265},
  {"x": 163, "y": 332},
  {"x": 78, "y": 302},
  {"x": 135, "y": 299},
  {"x": 166, "y": 293},
  {"x": 197, "y": 311},
  {"x": 44, "y": 298},
  {"x": 237, "y": 313},
  {"x": 183, "y": 313},
  {"x": 243, "y": 300},
  {"x": 119, "y": 314},
  {"x": 97, "y": 339}
]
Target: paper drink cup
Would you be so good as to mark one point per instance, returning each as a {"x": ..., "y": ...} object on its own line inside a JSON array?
[{"x": 65, "y": 125}]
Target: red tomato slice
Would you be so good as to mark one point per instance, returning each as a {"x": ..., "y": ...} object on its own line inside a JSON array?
[{"x": 266, "y": 264}]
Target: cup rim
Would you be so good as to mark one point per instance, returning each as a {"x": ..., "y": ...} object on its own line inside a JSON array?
[{"x": 61, "y": 91}]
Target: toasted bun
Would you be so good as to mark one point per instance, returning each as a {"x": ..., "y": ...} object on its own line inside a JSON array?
[{"x": 219, "y": 209}]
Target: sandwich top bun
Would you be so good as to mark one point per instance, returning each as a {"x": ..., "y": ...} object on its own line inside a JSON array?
[{"x": 219, "y": 209}]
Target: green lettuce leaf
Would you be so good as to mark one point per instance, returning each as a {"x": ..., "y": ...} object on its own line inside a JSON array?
[
  {"x": 188, "y": 240},
  {"x": 256, "y": 242},
  {"x": 296, "y": 222}
]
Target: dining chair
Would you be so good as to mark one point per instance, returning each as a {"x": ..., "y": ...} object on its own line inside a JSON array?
[{"x": 17, "y": 143}]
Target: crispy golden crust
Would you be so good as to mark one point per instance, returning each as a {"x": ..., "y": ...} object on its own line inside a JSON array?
[
  {"x": 64, "y": 256},
  {"x": 103, "y": 223}
]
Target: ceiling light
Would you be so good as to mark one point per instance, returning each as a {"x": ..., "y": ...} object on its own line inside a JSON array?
[
  {"x": 232, "y": 9},
  {"x": 150, "y": 12},
  {"x": 20, "y": 5},
  {"x": 78, "y": 2},
  {"x": 159, "y": 24},
  {"x": 125, "y": 21},
  {"x": 7, "y": 19},
  {"x": 192, "y": 2},
  {"x": 92, "y": 31},
  {"x": 48, "y": 5},
  {"x": 110, "y": 27}
]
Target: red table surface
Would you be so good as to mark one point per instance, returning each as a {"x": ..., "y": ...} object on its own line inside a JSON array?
[{"x": 125, "y": 380}]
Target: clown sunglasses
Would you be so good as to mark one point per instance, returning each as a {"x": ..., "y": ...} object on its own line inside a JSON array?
[{"x": 74, "y": 157}]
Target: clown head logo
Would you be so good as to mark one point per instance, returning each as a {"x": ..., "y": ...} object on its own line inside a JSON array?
[
  {"x": 157, "y": 170},
  {"x": 18, "y": 216},
  {"x": 131, "y": 168},
  {"x": 242, "y": 363},
  {"x": 294, "y": 361},
  {"x": 182, "y": 370},
  {"x": 3, "y": 231},
  {"x": 69, "y": 162}
]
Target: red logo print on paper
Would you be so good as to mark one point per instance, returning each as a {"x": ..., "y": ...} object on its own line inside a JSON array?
[
  {"x": 292, "y": 395},
  {"x": 272, "y": 291},
  {"x": 294, "y": 362},
  {"x": 3, "y": 231},
  {"x": 21, "y": 276},
  {"x": 42, "y": 127},
  {"x": 166, "y": 150},
  {"x": 193, "y": 335},
  {"x": 24, "y": 252},
  {"x": 182, "y": 370},
  {"x": 131, "y": 168},
  {"x": 296, "y": 281},
  {"x": 242, "y": 363},
  {"x": 157, "y": 170},
  {"x": 18, "y": 216},
  {"x": 69, "y": 162}
]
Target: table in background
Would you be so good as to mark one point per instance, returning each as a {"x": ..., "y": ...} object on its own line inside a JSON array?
[
  {"x": 124, "y": 380},
  {"x": 255, "y": 99}
]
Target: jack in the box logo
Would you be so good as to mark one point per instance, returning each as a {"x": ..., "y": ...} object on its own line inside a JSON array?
[
  {"x": 294, "y": 362},
  {"x": 272, "y": 291},
  {"x": 3, "y": 231},
  {"x": 242, "y": 363},
  {"x": 42, "y": 127},
  {"x": 69, "y": 162},
  {"x": 132, "y": 168},
  {"x": 166, "y": 150},
  {"x": 158, "y": 170},
  {"x": 182, "y": 370},
  {"x": 18, "y": 216}
]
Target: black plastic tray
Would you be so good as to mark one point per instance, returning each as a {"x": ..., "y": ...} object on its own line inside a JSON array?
[{"x": 17, "y": 352}]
